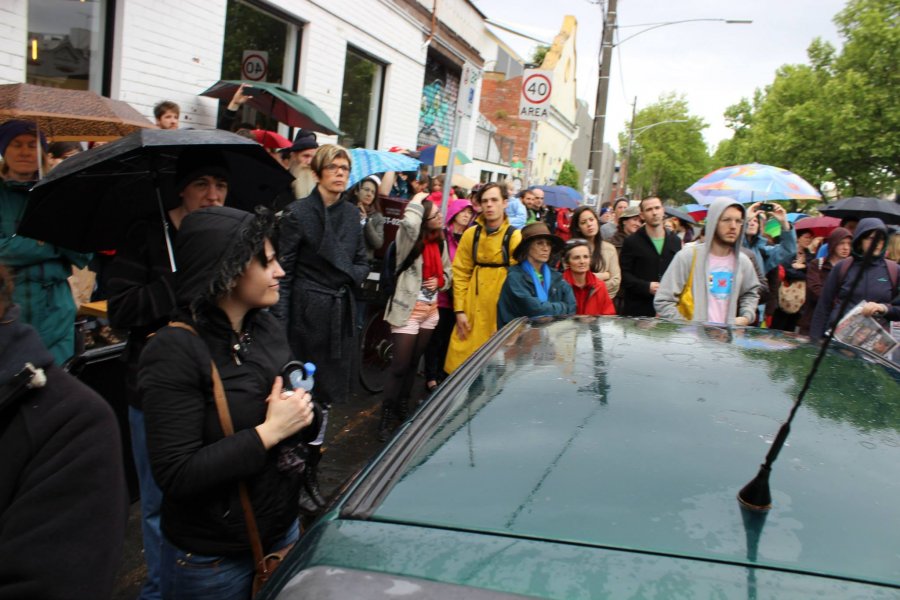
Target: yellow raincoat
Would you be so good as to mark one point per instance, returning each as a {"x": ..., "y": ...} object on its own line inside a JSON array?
[{"x": 476, "y": 288}]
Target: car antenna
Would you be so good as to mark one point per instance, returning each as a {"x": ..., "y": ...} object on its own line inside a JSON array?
[{"x": 756, "y": 495}]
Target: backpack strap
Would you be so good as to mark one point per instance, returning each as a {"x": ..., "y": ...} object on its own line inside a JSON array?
[{"x": 507, "y": 235}]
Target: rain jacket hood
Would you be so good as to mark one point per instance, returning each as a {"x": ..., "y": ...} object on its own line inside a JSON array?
[
  {"x": 865, "y": 227},
  {"x": 836, "y": 237},
  {"x": 456, "y": 207}
]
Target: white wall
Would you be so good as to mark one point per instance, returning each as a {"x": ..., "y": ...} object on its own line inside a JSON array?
[{"x": 13, "y": 40}]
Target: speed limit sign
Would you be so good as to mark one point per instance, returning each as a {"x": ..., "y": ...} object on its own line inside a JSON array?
[
  {"x": 534, "y": 102},
  {"x": 255, "y": 65}
]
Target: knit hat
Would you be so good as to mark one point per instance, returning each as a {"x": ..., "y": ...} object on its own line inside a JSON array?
[
  {"x": 13, "y": 129},
  {"x": 196, "y": 162},
  {"x": 304, "y": 140}
]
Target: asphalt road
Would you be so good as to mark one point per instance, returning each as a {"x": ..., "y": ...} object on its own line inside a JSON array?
[{"x": 351, "y": 443}]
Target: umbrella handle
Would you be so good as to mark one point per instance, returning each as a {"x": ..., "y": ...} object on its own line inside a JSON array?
[{"x": 165, "y": 222}]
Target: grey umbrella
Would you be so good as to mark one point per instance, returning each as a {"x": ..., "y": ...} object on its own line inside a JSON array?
[
  {"x": 680, "y": 214},
  {"x": 861, "y": 207}
]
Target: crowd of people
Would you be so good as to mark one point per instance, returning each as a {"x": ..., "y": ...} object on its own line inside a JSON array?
[{"x": 222, "y": 434}]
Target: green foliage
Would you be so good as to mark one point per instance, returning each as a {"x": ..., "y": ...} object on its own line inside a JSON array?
[
  {"x": 356, "y": 98},
  {"x": 568, "y": 175},
  {"x": 836, "y": 118},
  {"x": 539, "y": 53},
  {"x": 666, "y": 158}
]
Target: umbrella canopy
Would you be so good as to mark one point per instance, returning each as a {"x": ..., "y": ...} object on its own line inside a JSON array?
[
  {"x": 270, "y": 139},
  {"x": 70, "y": 115},
  {"x": 820, "y": 226},
  {"x": 752, "y": 183},
  {"x": 464, "y": 182},
  {"x": 365, "y": 162},
  {"x": 560, "y": 196},
  {"x": 439, "y": 156},
  {"x": 697, "y": 211},
  {"x": 680, "y": 214},
  {"x": 793, "y": 217},
  {"x": 861, "y": 207},
  {"x": 278, "y": 102},
  {"x": 88, "y": 202}
]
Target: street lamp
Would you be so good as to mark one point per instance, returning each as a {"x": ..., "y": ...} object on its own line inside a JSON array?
[{"x": 606, "y": 46}]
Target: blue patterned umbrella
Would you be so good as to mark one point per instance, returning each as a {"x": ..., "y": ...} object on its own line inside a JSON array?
[
  {"x": 752, "y": 183},
  {"x": 365, "y": 162}
]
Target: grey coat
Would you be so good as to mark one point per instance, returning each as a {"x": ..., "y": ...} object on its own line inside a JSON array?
[{"x": 401, "y": 304}]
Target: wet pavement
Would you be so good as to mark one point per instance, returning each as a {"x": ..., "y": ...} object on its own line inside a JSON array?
[{"x": 351, "y": 443}]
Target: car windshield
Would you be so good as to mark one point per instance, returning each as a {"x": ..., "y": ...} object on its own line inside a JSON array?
[{"x": 638, "y": 434}]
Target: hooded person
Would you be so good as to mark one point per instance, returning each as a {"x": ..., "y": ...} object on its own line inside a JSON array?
[
  {"x": 228, "y": 275},
  {"x": 712, "y": 282},
  {"x": 41, "y": 270},
  {"x": 878, "y": 287},
  {"x": 63, "y": 499},
  {"x": 817, "y": 270},
  {"x": 532, "y": 288},
  {"x": 142, "y": 299}
]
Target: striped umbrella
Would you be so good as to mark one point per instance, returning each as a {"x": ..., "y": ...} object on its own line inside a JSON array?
[
  {"x": 439, "y": 156},
  {"x": 365, "y": 162}
]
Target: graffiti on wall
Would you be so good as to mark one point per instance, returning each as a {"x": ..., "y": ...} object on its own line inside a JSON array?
[{"x": 438, "y": 101}]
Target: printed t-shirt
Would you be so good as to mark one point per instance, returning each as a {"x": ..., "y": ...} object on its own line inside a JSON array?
[{"x": 719, "y": 287}]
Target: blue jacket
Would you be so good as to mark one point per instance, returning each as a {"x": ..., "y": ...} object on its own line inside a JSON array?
[
  {"x": 875, "y": 285},
  {"x": 516, "y": 212},
  {"x": 769, "y": 257},
  {"x": 518, "y": 297}
]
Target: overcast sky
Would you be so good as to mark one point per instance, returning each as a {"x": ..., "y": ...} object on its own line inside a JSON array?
[{"x": 713, "y": 64}]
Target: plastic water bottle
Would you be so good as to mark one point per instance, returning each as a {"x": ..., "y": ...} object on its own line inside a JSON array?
[{"x": 303, "y": 379}]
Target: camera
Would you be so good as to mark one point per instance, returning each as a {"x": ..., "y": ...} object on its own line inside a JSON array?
[{"x": 767, "y": 207}]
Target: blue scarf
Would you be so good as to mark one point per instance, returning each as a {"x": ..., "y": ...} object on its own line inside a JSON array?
[{"x": 543, "y": 290}]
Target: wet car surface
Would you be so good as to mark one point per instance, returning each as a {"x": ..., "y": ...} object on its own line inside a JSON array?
[{"x": 601, "y": 457}]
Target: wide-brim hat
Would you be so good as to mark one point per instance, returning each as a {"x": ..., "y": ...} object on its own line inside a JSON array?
[{"x": 533, "y": 232}]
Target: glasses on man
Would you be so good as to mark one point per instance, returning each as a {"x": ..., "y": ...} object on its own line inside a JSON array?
[{"x": 333, "y": 168}]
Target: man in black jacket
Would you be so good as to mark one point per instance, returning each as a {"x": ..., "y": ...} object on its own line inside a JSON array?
[
  {"x": 142, "y": 299},
  {"x": 63, "y": 500},
  {"x": 322, "y": 252},
  {"x": 645, "y": 256}
]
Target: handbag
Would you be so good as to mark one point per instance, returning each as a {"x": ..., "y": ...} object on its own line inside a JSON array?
[
  {"x": 265, "y": 564},
  {"x": 685, "y": 303},
  {"x": 791, "y": 296}
]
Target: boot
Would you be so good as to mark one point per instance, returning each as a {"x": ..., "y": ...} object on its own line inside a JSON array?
[
  {"x": 308, "y": 508},
  {"x": 403, "y": 410},
  {"x": 385, "y": 425},
  {"x": 311, "y": 481}
]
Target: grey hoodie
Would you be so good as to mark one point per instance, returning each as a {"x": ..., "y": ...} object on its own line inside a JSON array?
[{"x": 745, "y": 293}]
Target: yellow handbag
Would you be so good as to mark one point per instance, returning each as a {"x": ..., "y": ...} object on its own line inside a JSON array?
[{"x": 685, "y": 304}]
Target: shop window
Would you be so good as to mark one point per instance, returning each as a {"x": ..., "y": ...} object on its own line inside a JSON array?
[
  {"x": 274, "y": 36},
  {"x": 361, "y": 100},
  {"x": 66, "y": 44}
]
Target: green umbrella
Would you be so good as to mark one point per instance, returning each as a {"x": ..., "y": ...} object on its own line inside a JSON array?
[{"x": 279, "y": 103}]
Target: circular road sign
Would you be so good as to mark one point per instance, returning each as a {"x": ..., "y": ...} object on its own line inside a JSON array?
[
  {"x": 536, "y": 88},
  {"x": 254, "y": 67}
]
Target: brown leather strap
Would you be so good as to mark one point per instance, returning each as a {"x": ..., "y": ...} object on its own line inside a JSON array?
[{"x": 228, "y": 428}]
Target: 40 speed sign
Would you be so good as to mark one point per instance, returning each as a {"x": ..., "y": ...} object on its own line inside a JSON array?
[{"x": 534, "y": 102}]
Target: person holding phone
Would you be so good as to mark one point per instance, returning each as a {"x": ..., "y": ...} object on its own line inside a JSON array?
[{"x": 769, "y": 256}]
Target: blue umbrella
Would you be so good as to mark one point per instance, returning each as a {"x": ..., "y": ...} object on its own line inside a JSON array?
[
  {"x": 560, "y": 196},
  {"x": 365, "y": 162},
  {"x": 794, "y": 216}
]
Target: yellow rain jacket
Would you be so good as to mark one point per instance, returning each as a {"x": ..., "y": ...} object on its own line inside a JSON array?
[{"x": 477, "y": 282}]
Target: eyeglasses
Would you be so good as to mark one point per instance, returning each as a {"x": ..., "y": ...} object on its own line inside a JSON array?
[
  {"x": 333, "y": 168},
  {"x": 434, "y": 216}
]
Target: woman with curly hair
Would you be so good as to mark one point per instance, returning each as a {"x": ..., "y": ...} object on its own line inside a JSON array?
[
  {"x": 227, "y": 276},
  {"x": 604, "y": 258}
]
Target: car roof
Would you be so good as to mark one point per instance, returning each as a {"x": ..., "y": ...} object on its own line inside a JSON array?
[{"x": 636, "y": 434}]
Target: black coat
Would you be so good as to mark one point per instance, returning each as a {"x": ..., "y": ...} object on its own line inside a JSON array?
[
  {"x": 323, "y": 254},
  {"x": 641, "y": 264},
  {"x": 63, "y": 500}
]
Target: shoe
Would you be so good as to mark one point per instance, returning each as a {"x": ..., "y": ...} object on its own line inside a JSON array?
[
  {"x": 384, "y": 426},
  {"x": 307, "y": 506},
  {"x": 403, "y": 410}
]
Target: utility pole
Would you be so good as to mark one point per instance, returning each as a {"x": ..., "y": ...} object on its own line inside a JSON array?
[
  {"x": 626, "y": 164},
  {"x": 606, "y": 46}
]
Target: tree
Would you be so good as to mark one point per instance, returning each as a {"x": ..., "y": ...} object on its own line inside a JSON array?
[
  {"x": 666, "y": 158},
  {"x": 568, "y": 175},
  {"x": 539, "y": 53},
  {"x": 836, "y": 118}
]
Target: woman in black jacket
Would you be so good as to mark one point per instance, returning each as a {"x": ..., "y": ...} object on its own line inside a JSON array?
[{"x": 227, "y": 273}]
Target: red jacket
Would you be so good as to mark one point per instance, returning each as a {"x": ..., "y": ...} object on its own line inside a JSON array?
[{"x": 592, "y": 299}]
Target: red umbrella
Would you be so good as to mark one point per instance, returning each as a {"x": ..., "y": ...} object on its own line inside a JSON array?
[
  {"x": 270, "y": 139},
  {"x": 820, "y": 226}
]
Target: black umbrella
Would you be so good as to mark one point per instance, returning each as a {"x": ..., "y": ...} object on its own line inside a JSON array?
[
  {"x": 861, "y": 207},
  {"x": 88, "y": 202},
  {"x": 680, "y": 214}
]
